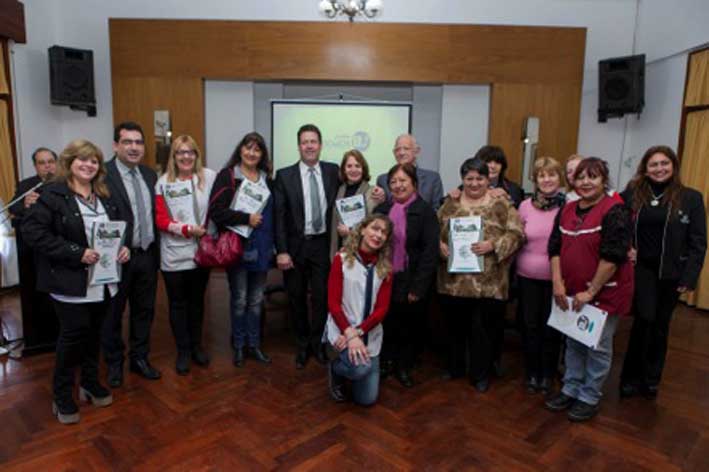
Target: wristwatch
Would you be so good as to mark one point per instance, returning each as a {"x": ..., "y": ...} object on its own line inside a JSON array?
[{"x": 360, "y": 333}]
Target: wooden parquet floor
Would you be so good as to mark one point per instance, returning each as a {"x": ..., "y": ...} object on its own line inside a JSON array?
[{"x": 275, "y": 417}]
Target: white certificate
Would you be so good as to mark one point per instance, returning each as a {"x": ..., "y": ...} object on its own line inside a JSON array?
[
  {"x": 584, "y": 326},
  {"x": 462, "y": 233},
  {"x": 180, "y": 200},
  {"x": 107, "y": 239},
  {"x": 352, "y": 209},
  {"x": 250, "y": 198}
]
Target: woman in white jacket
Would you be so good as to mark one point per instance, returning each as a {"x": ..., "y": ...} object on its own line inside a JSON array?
[{"x": 181, "y": 201}]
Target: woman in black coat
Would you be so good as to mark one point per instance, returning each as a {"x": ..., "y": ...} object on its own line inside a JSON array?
[
  {"x": 58, "y": 228},
  {"x": 414, "y": 261},
  {"x": 670, "y": 240}
]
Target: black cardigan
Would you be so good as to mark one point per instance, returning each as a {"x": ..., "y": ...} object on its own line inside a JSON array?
[
  {"x": 220, "y": 207},
  {"x": 685, "y": 239},
  {"x": 422, "y": 235},
  {"x": 54, "y": 228}
]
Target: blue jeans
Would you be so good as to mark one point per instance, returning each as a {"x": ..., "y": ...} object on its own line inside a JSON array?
[
  {"x": 364, "y": 377},
  {"x": 586, "y": 368},
  {"x": 246, "y": 297}
]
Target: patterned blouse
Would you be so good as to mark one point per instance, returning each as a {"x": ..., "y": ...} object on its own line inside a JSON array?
[{"x": 504, "y": 228}]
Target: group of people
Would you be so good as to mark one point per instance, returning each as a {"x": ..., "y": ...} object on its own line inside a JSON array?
[{"x": 370, "y": 284}]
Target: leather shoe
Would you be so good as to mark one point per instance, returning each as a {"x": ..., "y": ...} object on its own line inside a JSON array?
[
  {"x": 385, "y": 369},
  {"x": 301, "y": 358},
  {"x": 582, "y": 411},
  {"x": 200, "y": 357},
  {"x": 532, "y": 385},
  {"x": 482, "y": 385},
  {"x": 182, "y": 365},
  {"x": 336, "y": 385},
  {"x": 321, "y": 355},
  {"x": 238, "y": 359},
  {"x": 497, "y": 369},
  {"x": 404, "y": 378},
  {"x": 559, "y": 402},
  {"x": 143, "y": 368},
  {"x": 545, "y": 385},
  {"x": 259, "y": 355},
  {"x": 650, "y": 392},
  {"x": 628, "y": 390},
  {"x": 114, "y": 377}
]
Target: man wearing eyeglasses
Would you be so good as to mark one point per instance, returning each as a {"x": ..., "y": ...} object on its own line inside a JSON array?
[
  {"x": 430, "y": 187},
  {"x": 132, "y": 187}
]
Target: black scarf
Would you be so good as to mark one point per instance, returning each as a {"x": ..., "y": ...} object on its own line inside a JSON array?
[{"x": 543, "y": 203}]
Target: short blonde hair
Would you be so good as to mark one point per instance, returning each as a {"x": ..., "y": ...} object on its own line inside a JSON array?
[
  {"x": 550, "y": 165},
  {"x": 82, "y": 149},
  {"x": 172, "y": 171}
]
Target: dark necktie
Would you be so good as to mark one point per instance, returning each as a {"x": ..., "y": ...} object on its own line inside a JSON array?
[
  {"x": 315, "y": 202},
  {"x": 142, "y": 213}
]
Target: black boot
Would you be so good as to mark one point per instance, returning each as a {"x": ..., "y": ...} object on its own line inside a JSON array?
[
  {"x": 182, "y": 364},
  {"x": 259, "y": 355},
  {"x": 238, "y": 359}
]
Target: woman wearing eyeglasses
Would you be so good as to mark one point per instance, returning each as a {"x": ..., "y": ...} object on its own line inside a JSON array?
[{"x": 181, "y": 197}]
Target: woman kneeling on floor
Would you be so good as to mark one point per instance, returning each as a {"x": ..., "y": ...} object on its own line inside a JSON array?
[{"x": 359, "y": 291}]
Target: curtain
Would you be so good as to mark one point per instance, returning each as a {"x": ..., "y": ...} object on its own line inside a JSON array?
[
  {"x": 4, "y": 88},
  {"x": 695, "y": 174},
  {"x": 7, "y": 160}
]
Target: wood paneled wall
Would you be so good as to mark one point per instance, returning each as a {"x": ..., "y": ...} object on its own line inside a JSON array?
[{"x": 533, "y": 70}]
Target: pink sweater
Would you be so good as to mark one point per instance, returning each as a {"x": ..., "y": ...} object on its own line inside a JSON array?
[{"x": 533, "y": 258}]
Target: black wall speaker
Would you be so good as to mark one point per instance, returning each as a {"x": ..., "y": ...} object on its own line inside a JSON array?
[
  {"x": 621, "y": 86},
  {"x": 71, "y": 78}
]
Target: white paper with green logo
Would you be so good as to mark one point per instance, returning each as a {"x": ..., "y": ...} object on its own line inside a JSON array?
[
  {"x": 585, "y": 326},
  {"x": 107, "y": 239},
  {"x": 352, "y": 210},
  {"x": 463, "y": 232},
  {"x": 250, "y": 198},
  {"x": 180, "y": 200}
]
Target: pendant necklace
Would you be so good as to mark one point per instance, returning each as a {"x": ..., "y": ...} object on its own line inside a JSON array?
[{"x": 656, "y": 199}]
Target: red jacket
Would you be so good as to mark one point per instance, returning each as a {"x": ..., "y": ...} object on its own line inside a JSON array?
[{"x": 580, "y": 255}]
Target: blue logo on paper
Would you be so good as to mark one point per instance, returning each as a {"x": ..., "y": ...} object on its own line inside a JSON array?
[{"x": 584, "y": 324}]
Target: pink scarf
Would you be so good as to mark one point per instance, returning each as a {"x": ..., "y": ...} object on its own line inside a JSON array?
[{"x": 398, "y": 217}]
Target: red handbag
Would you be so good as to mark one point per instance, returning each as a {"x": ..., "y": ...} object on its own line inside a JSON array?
[{"x": 221, "y": 250}]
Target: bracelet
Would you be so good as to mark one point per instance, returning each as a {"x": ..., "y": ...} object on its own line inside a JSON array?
[{"x": 352, "y": 337}]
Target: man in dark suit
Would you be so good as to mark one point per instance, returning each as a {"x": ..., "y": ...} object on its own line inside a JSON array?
[
  {"x": 304, "y": 197},
  {"x": 39, "y": 324},
  {"x": 132, "y": 187},
  {"x": 430, "y": 186}
]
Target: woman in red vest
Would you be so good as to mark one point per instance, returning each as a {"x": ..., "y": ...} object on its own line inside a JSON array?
[{"x": 589, "y": 261}]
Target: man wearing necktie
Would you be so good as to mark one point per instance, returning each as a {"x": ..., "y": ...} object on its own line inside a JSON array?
[
  {"x": 304, "y": 196},
  {"x": 132, "y": 187}
]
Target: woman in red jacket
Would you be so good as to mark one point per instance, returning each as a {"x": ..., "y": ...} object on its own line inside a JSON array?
[
  {"x": 589, "y": 248},
  {"x": 359, "y": 291}
]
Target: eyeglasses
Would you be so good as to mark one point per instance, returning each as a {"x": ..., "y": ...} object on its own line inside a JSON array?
[
  {"x": 128, "y": 142},
  {"x": 186, "y": 152}
]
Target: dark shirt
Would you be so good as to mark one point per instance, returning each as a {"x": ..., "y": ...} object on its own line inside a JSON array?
[
  {"x": 351, "y": 189},
  {"x": 616, "y": 234}
]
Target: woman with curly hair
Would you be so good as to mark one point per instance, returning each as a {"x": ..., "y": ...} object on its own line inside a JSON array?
[{"x": 359, "y": 291}]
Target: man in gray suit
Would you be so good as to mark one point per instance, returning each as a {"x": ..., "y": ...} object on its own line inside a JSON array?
[{"x": 430, "y": 187}]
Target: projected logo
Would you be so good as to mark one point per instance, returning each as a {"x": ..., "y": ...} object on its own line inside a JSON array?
[{"x": 359, "y": 140}]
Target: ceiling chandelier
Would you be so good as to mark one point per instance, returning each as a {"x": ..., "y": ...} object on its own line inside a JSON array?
[{"x": 351, "y": 8}]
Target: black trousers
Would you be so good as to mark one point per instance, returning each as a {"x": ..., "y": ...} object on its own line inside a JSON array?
[
  {"x": 653, "y": 305},
  {"x": 78, "y": 344},
  {"x": 185, "y": 296},
  {"x": 138, "y": 286},
  {"x": 311, "y": 270},
  {"x": 474, "y": 326},
  {"x": 541, "y": 342},
  {"x": 400, "y": 328}
]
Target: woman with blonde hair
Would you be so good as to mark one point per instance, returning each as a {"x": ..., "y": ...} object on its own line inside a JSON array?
[
  {"x": 359, "y": 291},
  {"x": 59, "y": 229},
  {"x": 181, "y": 198},
  {"x": 534, "y": 274}
]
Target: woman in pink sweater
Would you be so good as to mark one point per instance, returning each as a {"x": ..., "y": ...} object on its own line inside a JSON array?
[{"x": 534, "y": 275}]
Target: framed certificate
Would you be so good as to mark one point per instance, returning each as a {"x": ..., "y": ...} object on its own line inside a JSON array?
[
  {"x": 251, "y": 197},
  {"x": 352, "y": 209},
  {"x": 462, "y": 233},
  {"x": 107, "y": 238}
]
